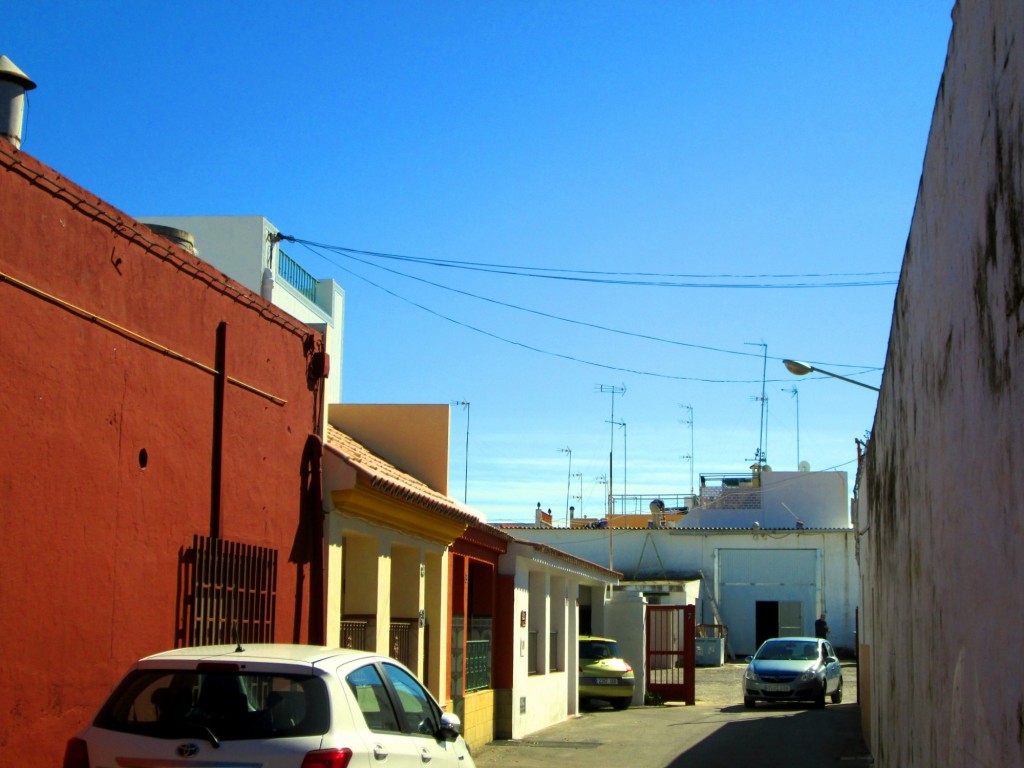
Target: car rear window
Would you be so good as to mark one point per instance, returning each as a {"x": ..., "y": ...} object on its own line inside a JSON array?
[
  {"x": 599, "y": 649},
  {"x": 232, "y": 705}
]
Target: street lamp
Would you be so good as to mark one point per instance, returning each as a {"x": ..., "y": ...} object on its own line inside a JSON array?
[{"x": 802, "y": 369}]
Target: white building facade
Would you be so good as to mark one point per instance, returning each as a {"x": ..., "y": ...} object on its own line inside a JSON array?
[
  {"x": 248, "y": 249},
  {"x": 770, "y": 556}
]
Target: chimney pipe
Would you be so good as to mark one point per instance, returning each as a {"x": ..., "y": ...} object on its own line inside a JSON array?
[{"x": 13, "y": 84}]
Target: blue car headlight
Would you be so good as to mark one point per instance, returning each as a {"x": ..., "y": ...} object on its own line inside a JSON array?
[{"x": 751, "y": 675}]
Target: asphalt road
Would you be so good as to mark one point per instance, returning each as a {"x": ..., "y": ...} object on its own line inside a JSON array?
[{"x": 717, "y": 731}]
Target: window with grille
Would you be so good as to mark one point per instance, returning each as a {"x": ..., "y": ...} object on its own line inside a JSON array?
[{"x": 233, "y": 593}]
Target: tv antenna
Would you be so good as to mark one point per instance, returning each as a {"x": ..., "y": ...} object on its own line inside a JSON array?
[
  {"x": 762, "y": 438},
  {"x": 613, "y": 391},
  {"x": 689, "y": 423}
]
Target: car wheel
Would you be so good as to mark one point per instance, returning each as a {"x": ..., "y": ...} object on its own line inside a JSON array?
[
  {"x": 584, "y": 703},
  {"x": 748, "y": 702},
  {"x": 819, "y": 700},
  {"x": 837, "y": 695},
  {"x": 622, "y": 703}
]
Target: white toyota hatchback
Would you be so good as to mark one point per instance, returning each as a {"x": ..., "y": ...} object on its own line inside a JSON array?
[{"x": 269, "y": 706}]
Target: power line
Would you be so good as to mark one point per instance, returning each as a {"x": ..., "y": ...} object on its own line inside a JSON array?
[
  {"x": 312, "y": 247},
  {"x": 531, "y": 348},
  {"x": 619, "y": 278}
]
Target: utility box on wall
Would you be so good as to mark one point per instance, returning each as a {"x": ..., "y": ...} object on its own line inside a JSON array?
[{"x": 709, "y": 651}]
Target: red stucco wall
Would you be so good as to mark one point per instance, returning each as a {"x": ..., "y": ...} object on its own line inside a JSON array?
[{"x": 91, "y": 538}]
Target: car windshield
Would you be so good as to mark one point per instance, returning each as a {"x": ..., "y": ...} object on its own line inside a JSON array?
[
  {"x": 227, "y": 705},
  {"x": 786, "y": 650},
  {"x": 599, "y": 649}
]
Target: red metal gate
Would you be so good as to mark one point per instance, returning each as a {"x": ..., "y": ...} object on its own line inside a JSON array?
[{"x": 670, "y": 651}]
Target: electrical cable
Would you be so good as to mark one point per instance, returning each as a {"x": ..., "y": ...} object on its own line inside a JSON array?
[
  {"x": 523, "y": 345},
  {"x": 550, "y": 316},
  {"x": 564, "y": 273},
  {"x": 615, "y": 278}
]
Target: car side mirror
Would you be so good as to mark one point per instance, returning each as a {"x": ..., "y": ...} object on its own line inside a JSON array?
[
  {"x": 451, "y": 726},
  {"x": 830, "y": 659}
]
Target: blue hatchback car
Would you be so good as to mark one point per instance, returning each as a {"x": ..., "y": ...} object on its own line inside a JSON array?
[{"x": 793, "y": 669}]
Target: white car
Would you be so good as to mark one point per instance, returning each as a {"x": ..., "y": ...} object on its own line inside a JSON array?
[{"x": 269, "y": 706}]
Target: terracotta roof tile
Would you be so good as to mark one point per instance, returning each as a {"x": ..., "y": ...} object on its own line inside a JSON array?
[{"x": 384, "y": 476}]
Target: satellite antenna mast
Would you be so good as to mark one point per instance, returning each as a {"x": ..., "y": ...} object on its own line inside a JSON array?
[
  {"x": 613, "y": 390},
  {"x": 762, "y": 435},
  {"x": 795, "y": 393},
  {"x": 689, "y": 422},
  {"x": 465, "y": 485}
]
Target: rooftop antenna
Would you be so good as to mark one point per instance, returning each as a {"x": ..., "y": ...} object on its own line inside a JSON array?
[
  {"x": 613, "y": 390},
  {"x": 795, "y": 393},
  {"x": 762, "y": 438},
  {"x": 465, "y": 482},
  {"x": 625, "y": 461},
  {"x": 568, "y": 483},
  {"x": 580, "y": 497},
  {"x": 689, "y": 422},
  {"x": 608, "y": 522}
]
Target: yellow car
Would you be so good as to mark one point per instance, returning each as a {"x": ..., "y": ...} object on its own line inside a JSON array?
[{"x": 604, "y": 674}]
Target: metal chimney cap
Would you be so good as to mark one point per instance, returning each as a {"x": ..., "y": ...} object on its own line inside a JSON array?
[
  {"x": 179, "y": 237},
  {"x": 9, "y": 71}
]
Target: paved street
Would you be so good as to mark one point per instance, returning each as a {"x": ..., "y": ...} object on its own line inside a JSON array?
[{"x": 717, "y": 731}]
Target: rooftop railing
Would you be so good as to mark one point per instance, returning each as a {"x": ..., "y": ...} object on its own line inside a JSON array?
[{"x": 296, "y": 276}]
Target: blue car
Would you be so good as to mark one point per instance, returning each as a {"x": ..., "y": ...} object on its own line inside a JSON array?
[{"x": 793, "y": 669}]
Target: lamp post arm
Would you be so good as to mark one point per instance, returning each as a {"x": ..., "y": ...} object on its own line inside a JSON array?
[
  {"x": 852, "y": 381},
  {"x": 798, "y": 368}
]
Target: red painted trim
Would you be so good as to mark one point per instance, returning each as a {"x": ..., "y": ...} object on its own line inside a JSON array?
[
  {"x": 505, "y": 632},
  {"x": 475, "y": 551}
]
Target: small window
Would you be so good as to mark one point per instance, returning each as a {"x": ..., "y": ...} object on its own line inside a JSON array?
[
  {"x": 372, "y": 697},
  {"x": 417, "y": 711}
]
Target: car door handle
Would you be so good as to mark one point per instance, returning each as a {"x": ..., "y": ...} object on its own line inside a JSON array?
[
  {"x": 379, "y": 753},
  {"x": 425, "y": 756}
]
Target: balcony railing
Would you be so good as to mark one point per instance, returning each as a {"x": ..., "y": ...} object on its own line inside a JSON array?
[
  {"x": 400, "y": 640},
  {"x": 296, "y": 276},
  {"x": 353, "y": 634},
  {"x": 726, "y": 491}
]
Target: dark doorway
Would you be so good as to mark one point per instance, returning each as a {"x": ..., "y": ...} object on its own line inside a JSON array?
[
  {"x": 585, "y": 621},
  {"x": 766, "y": 620},
  {"x": 778, "y": 618}
]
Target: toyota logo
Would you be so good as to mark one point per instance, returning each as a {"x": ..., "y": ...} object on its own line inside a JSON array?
[{"x": 188, "y": 750}]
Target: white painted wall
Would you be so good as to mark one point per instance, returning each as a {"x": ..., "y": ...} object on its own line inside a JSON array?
[
  {"x": 942, "y": 491},
  {"x": 546, "y": 587},
  {"x": 683, "y": 554},
  {"x": 626, "y": 624},
  {"x": 239, "y": 246},
  {"x": 818, "y": 499}
]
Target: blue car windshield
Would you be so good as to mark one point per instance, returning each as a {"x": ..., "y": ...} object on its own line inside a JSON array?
[{"x": 787, "y": 651}]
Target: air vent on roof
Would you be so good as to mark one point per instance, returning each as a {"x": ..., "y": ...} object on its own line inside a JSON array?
[
  {"x": 13, "y": 84},
  {"x": 179, "y": 237}
]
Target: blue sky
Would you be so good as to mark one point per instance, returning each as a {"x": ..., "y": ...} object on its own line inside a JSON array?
[{"x": 745, "y": 145}]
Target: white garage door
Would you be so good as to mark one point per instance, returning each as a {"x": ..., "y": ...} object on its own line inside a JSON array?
[{"x": 759, "y": 586}]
